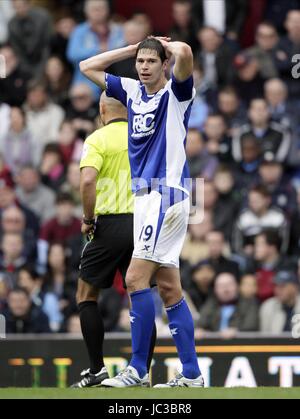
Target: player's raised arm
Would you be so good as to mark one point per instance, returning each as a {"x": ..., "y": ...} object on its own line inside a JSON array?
[
  {"x": 94, "y": 68},
  {"x": 183, "y": 55}
]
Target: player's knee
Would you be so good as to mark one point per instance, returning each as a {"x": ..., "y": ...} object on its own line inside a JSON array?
[
  {"x": 134, "y": 281},
  {"x": 166, "y": 294},
  {"x": 169, "y": 293}
]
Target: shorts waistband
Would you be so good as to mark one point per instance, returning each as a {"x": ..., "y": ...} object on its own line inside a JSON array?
[{"x": 113, "y": 216}]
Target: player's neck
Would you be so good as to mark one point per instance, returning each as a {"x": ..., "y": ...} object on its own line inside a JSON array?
[{"x": 151, "y": 89}]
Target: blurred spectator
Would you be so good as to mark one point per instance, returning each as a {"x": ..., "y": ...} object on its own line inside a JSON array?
[
  {"x": 98, "y": 34},
  {"x": 215, "y": 57},
  {"x": 259, "y": 216},
  {"x": 9, "y": 199},
  {"x": 13, "y": 221},
  {"x": 276, "y": 314},
  {"x": 29, "y": 34},
  {"x": 4, "y": 119},
  {"x": 43, "y": 117},
  {"x": 12, "y": 256},
  {"x": 246, "y": 171},
  {"x": 5, "y": 173},
  {"x": 248, "y": 287},
  {"x": 268, "y": 260},
  {"x": 60, "y": 280},
  {"x": 201, "y": 164},
  {"x": 247, "y": 81},
  {"x": 142, "y": 18},
  {"x": 82, "y": 110},
  {"x": 134, "y": 32},
  {"x": 265, "y": 50},
  {"x": 217, "y": 249},
  {"x": 33, "y": 194},
  {"x": 277, "y": 10},
  {"x": 230, "y": 106},
  {"x": 29, "y": 280},
  {"x": 52, "y": 168},
  {"x": 72, "y": 186},
  {"x": 226, "y": 16},
  {"x": 223, "y": 212},
  {"x": 73, "y": 325},
  {"x": 205, "y": 93},
  {"x": 195, "y": 247},
  {"x": 199, "y": 113},
  {"x": 200, "y": 286},
  {"x": 229, "y": 196},
  {"x": 64, "y": 225},
  {"x": 6, "y": 14},
  {"x": 60, "y": 39},
  {"x": 24, "y": 317},
  {"x": 281, "y": 109},
  {"x": 13, "y": 88},
  {"x": 295, "y": 230},
  {"x": 124, "y": 321},
  {"x": 218, "y": 143},
  {"x": 4, "y": 291},
  {"x": 110, "y": 305},
  {"x": 59, "y": 229},
  {"x": 283, "y": 193},
  {"x": 57, "y": 79},
  {"x": 70, "y": 145},
  {"x": 184, "y": 28},
  {"x": 227, "y": 312},
  {"x": 289, "y": 46},
  {"x": 274, "y": 138},
  {"x": 17, "y": 147}
]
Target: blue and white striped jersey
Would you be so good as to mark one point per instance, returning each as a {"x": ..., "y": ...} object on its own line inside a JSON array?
[{"x": 157, "y": 130}]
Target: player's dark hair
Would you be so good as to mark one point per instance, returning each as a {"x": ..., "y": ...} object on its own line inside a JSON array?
[{"x": 154, "y": 45}]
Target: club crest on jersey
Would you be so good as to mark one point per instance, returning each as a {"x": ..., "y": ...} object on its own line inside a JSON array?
[{"x": 143, "y": 125}]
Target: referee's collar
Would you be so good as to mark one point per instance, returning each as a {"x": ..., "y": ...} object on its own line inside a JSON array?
[{"x": 113, "y": 121}]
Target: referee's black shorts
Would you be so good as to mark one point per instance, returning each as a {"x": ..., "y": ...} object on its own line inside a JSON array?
[{"x": 110, "y": 250}]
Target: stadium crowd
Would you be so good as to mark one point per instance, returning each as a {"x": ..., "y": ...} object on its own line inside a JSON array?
[{"x": 240, "y": 266}]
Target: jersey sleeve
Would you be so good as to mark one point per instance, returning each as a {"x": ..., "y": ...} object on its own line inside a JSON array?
[
  {"x": 115, "y": 89},
  {"x": 120, "y": 88},
  {"x": 183, "y": 91},
  {"x": 92, "y": 154}
]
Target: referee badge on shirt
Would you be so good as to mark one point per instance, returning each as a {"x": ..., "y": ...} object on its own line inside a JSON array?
[{"x": 85, "y": 151}]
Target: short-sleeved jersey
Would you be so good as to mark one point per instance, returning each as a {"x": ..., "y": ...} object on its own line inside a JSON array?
[
  {"x": 106, "y": 150},
  {"x": 157, "y": 130}
]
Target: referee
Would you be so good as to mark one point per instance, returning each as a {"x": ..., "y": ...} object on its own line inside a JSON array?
[{"x": 108, "y": 223}]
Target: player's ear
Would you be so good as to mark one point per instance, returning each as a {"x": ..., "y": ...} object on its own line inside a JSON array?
[{"x": 165, "y": 65}]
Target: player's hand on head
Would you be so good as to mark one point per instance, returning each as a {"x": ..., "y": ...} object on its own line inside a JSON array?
[
  {"x": 160, "y": 38},
  {"x": 165, "y": 41}
]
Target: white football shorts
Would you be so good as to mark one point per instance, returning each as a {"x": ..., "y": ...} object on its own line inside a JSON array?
[{"x": 160, "y": 226}]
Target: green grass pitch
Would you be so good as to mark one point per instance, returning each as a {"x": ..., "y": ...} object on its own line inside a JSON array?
[{"x": 141, "y": 394}]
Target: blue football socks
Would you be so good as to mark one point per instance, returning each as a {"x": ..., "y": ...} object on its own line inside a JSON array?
[
  {"x": 142, "y": 318},
  {"x": 182, "y": 330}
]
